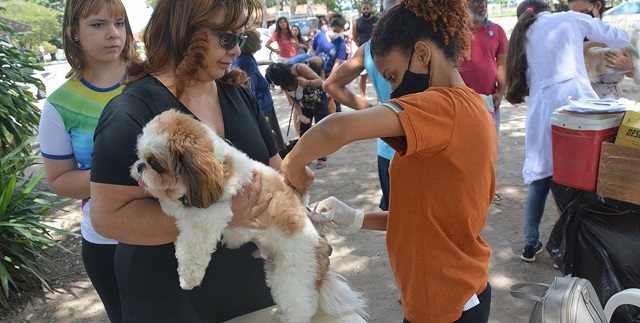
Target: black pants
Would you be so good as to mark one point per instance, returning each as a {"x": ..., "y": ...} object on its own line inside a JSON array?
[
  {"x": 98, "y": 260},
  {"x": 315, "y": 114},
  {"x": 319, "y": 112},
  {"x": 480, "y": 312},
  {"x": 275, "y": 128},
  {"x": 234, "y": 285}
]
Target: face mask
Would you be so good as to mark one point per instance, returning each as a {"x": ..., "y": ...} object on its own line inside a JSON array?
[
  {"x": 333, "y": 35},
  {"x": 412, "y": 82}
]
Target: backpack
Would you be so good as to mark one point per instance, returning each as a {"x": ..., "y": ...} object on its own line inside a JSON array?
[{"x": 566, "y": 300}]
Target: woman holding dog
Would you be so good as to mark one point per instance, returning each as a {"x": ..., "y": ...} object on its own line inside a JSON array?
[
  {"x": 190, "y": 46},
  {"x": 445, "y": 142},
  {"x": 98, "y": 43}
]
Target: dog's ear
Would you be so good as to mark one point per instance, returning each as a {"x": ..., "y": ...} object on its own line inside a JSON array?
[{"x": 205, "y": 178}]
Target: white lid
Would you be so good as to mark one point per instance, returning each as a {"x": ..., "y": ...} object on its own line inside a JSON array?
[{"x": 585, "y": 121}]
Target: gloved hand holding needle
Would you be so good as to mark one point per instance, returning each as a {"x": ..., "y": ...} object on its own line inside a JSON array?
[{"x": 333, "y": 210}]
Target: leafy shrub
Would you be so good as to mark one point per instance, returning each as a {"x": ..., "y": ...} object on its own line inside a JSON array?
[
  {"x": 19, "y": 116},
  {"x": 25, "y": 239}
]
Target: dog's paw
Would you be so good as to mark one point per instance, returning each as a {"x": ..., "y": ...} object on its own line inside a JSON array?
[{"x": 188, "y": 285}]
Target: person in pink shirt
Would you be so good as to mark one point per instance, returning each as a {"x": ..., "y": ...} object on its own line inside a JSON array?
[
  {"x": 485, "y": 72},
  {"x": 285, "y": 40}
]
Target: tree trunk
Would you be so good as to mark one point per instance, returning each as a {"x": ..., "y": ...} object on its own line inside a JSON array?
[
  {"x": 292, "y": 8},
  {"x": 310, "y": 8},
  {"x": 264, "y": 14}
]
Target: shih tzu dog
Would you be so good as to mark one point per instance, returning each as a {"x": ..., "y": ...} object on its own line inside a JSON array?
[
  {"x": 194, "y": 174},
  {"x": 597, "y": 65}
]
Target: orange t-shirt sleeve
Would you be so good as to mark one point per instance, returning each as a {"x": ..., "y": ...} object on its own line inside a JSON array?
[{"x": 428, "y": 128}]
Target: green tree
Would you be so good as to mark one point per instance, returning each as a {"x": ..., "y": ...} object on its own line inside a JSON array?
[
  {"x": 43, "y": 21},
  {"x": 151, "y": 3},
  {"x": 57, "y": 7},
  {"x": 51, "y": 49}
]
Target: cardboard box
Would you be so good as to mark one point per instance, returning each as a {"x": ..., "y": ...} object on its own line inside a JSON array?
[
  {"x": 629, "y": 132},
  {"x": 619, "y": 173}
]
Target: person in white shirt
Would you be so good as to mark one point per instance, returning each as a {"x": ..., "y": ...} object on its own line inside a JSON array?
[{"x": 547, "y": 64}]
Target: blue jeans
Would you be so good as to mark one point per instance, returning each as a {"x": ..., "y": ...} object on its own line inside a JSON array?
[
  {"x": 534, "y": 209},
  {"x": 497, "y": 116},
  {"x": 383, "y": 174}
]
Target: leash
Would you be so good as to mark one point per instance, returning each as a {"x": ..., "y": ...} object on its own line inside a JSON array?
[{"x": 290, "y": 117}]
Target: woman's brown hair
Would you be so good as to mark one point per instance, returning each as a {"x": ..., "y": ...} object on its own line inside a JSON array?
[
  {"x": 174, "y": 38},
  {"x": 80, "y": 9},
  {"x": 445, "y": 22},
  {"x": 517, "y": 87}
]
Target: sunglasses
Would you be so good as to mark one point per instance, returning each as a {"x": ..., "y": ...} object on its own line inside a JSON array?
[
  {"x": 229, "y": 41},
  {"x": 588, "y": 10}
]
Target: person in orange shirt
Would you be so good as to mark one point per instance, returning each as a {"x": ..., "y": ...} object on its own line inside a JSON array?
[{"x": 442, "y": 174}]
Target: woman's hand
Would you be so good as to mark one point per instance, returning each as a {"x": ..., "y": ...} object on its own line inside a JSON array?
[
  {"x": 620, "y": 61},
  {"x": 304, "y": 119},
  {"x": 249, "y": 204},
  {"x": 300, "y": 179},
  {"x": 303, "y": 82},
  {"x": 497, "y": 99}
]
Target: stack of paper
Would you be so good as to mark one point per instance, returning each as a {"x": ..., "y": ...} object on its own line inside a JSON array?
[{"x": 599, "y": 105}]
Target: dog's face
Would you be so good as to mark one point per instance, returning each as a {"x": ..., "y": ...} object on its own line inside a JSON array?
[{"x": 176, "y": 161}]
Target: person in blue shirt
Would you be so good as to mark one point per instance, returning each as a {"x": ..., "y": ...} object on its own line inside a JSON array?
[
  {"x": 258, "y": 84},
  {"x": 331, "y": 47}
]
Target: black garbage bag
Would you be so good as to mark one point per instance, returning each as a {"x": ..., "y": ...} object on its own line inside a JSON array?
[{"x": 598, "y": 239}]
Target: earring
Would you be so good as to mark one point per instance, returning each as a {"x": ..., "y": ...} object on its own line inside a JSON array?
[{"x": 76, "y": 38}]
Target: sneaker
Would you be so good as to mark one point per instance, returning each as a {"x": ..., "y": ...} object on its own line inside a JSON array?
[{"x": 529, "y": 252}]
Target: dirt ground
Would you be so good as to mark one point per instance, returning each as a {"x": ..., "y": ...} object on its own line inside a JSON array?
[{"x": 351, "y": 176}]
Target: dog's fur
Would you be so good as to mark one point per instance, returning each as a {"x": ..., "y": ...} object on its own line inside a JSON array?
[
  {"x": 194, "y": 174},
  {"x": 596, "y": 63}
]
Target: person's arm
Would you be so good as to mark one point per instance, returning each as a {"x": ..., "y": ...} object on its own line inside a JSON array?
[
  {"x": 128, "y": 214},
  {"x": 597, "y": 30},
  {"x": 376, "y": 220},
  {"x": 314, "y": 45},
  {"x": 268, "y": 45},
  {"x": 332, "y": 210},
  {"x": 331, "y": 134},
  {"x": 501, "y": 79},
  {"x": 336, "y": 84},
  {"x": 65, "y": 179},
  {"x": 590, "y": 44},
  {"x": 64, "y": 176},
  {"x": 307, "y": 77},
  {"x": 354, "y": 32},
  {"x": 341, "y": 56},
  {"x": 302, "y": 45}
]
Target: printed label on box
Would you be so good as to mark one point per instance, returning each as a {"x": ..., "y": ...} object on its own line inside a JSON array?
[{"x": 629, "y": 132}]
